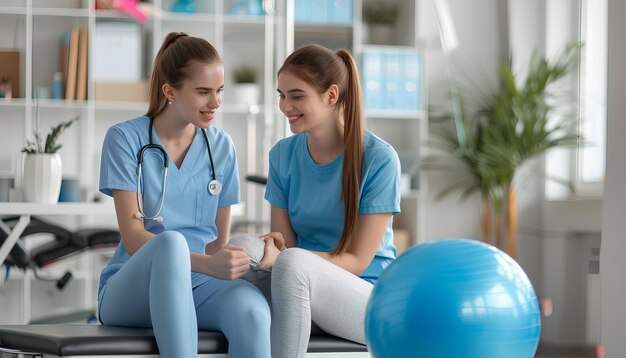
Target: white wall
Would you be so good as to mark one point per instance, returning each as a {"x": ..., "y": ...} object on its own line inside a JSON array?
[
  {"x": 612, "y": 263},
  {"x": 526, "y": 34},
  {"x": 482, "y": 33},
  {"x": 569, "y": 227},
  {"x": 486, "y": 31},
  {"x": 555, "y": 237}
]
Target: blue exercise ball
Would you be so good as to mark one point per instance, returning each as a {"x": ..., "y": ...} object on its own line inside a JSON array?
[{"x": 453, "y": 298}]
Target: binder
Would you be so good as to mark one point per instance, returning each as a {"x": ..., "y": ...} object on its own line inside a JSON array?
[
  {"x": 372, "y": 74},
  {"x": 64, "y": 54}
]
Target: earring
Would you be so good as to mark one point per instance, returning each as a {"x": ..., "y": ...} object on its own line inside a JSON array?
[{"x": 170, "y": 101}]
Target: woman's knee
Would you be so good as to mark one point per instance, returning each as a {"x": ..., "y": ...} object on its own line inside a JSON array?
[
  {"x": 252, "y": 244},
  {"x": 258, "y": 317},
  {"x": 250, "y": 307},
  {"x": 292, "y": 265},
  {"x": 293, "y": 258},
  {"x": 171, "y": 240},
  {"x": 170, "y": 246},
  {"x": 249, "y": 325}
]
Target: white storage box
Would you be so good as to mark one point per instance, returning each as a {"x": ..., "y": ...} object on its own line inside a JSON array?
[{"x": 117, "y": 52}]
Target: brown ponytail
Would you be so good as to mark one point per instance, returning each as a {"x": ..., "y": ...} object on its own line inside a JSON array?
[
  {"x": 353, "y": 152},
  {"x": 322, "y": 68},
  {"x": 171, "y": 64}
]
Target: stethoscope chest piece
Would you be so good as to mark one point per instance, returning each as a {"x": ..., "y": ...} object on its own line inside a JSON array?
[{"x": 215, "y": 187}]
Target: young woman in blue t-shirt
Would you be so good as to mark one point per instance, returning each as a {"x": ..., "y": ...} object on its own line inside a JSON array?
[{"x": 333, "y": 188}]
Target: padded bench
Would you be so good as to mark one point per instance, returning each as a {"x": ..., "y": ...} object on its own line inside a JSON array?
[{"x": 92, "y": 340}]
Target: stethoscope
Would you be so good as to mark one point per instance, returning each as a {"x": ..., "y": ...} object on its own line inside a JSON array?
[{"x": 214, "y": 187}]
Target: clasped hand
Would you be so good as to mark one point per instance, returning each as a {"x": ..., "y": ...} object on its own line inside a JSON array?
[
  {"x": 274, "y": 244},
  {"x": 230, "y": 262}
]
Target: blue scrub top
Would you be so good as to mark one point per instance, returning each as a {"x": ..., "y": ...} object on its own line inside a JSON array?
[
  {"x": 312, "y": 194},
  {"x": 188, "y": 206}
]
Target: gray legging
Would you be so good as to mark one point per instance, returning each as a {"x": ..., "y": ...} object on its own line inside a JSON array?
[{"x": 306, "y": 287}]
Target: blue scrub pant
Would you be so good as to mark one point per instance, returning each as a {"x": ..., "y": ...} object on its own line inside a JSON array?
[{"x": 154, "y": 289}]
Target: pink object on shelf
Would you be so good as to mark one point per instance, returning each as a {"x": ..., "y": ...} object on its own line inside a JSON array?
[{"x": 130, "y": 7}]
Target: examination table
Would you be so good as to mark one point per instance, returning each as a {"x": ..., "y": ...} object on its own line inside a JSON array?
[{"x": 93, "y": 340}]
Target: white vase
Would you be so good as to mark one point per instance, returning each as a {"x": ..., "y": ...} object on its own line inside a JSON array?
[
  {"x": 246, "y": 93},
  {"x": 41, "y": 180}
]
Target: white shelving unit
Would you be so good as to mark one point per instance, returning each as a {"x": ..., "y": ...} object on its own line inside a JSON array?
[
  {"x": 34, "y": 28},
  {"x": 407, "y": 131}
]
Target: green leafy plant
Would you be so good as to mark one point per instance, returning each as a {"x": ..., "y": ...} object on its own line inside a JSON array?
[
  {"x": 35, "y": 146},
  {"x": 380, "y": 12},
  {"x": 517, "y": 123},
  {"x": 245, "y": 74}
]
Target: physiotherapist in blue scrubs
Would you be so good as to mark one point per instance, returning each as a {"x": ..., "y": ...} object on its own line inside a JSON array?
[{"x": 173, "y": 178}]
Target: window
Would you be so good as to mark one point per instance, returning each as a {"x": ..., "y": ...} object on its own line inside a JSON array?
[
  {"x": 593, "y": 80},
  {"x": 584, "y": 167}
]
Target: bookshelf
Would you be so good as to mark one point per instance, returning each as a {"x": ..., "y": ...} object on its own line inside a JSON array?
[
  {"x": 37, "y": 29},
  {"x": 34, "y": 29},
  {"x": 404, "y": 126}
]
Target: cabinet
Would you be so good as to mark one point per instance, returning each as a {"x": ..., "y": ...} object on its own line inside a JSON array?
[
  {"x": 34, "y": 28},
  {"x": 340, "y": 24}
]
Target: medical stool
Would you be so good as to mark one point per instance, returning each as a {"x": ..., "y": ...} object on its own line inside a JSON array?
[{"x": 85, "y": 340}]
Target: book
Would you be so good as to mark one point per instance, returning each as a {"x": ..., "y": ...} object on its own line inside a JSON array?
[
  {"x": 72, "y": 66},
  {"x": 10, "y": 71},
  {"x": 81, "y": 81}
]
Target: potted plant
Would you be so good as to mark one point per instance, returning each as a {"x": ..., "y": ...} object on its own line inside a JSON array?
[
  {"x": 516, "y": 124},
  {"x": 246, "y": 89},
  {"x": 379, "y": 16},
  {"x": 42, "y": 166}
]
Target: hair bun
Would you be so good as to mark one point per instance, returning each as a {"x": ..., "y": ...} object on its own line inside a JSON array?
[{"x": 172, "y": 37}]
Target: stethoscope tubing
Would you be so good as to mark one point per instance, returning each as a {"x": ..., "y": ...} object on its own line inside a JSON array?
[
  {"x": 139, "y": 196},
  {"x": 208, "y": 145},
  {"x": 160, "y": 148}
]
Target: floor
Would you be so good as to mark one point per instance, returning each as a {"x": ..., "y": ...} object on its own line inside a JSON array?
[
  {"x": 563, "y": 356},
  {"x": 565, "y": 352}
]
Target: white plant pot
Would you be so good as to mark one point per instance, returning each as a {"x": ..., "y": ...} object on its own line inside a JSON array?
[
  {"x": 246, "y": 93},
  {"x": 41, "y": 180}
]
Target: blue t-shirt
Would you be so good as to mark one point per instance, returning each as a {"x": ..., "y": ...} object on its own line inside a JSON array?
[
  {"x": 312, "y": 194},
  {"x": 188, "y": 206}
]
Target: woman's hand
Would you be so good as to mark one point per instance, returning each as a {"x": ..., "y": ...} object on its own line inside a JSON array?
[
  {"x": 228, "y": 263},
  {"x": 278, "y": 239},
  {"x": 270, "y": 253}
]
